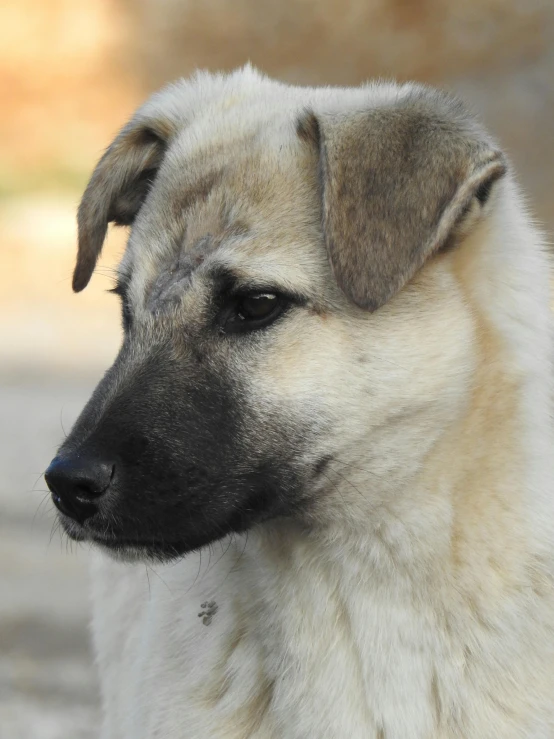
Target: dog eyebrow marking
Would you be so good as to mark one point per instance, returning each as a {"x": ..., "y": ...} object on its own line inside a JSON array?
[
  {"x": 173, "y": 279},
  {"x": 204, "y": 232},
  {"x": 229, "y": 283},
  {"x": 170, "y": 284},
  {"x": 197, "y": 191}
]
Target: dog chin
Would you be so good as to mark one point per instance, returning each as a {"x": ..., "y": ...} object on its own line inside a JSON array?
[
  {"x": 128, "y": 551},
  {"x": 129, "y": 554},
  {"x": 122, "y": 549}
]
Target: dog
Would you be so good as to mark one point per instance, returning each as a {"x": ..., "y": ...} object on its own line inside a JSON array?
[{"x": 328, "y": 426}]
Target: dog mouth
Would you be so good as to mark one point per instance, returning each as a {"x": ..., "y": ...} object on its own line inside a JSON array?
[
  {"x": 131, "y": 548},
  {"x": 167, "y": 531},
  {"x": 120, "y": 543}
]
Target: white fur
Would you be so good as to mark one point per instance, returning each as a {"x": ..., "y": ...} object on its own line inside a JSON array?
[{"x": 362, "y": 627}]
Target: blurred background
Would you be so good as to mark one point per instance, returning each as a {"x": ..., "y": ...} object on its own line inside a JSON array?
[{"x": 71, "y": 72}]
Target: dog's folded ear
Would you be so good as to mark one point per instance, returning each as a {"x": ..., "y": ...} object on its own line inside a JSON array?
[
  {"x": 397, "y": 181},
  {"x": 118, "y": 187}
]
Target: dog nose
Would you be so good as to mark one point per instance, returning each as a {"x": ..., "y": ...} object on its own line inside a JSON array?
[{"x": 77, "y": 483}]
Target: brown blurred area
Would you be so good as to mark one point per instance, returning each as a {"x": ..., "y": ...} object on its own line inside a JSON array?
[{"x": 71, "y": 72}]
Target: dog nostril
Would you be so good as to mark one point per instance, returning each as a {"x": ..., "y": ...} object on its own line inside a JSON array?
[
  {"x": 94, "y": 483},
  {"x": 77, "y": 483}
]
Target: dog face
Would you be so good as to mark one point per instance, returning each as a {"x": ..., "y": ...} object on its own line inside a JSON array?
[{"x": 290, "y": 306}]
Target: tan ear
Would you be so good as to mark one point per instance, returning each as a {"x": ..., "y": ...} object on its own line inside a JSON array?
[
  {"x": 118, "y": 187},
  {"x": 396, "y": 183}
]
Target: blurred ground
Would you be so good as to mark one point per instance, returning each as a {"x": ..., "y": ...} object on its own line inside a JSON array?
[
  {"x": 52, "y": 352},
  {"x": 71, "y": 72},
  {"x": 47, "y": 686}
]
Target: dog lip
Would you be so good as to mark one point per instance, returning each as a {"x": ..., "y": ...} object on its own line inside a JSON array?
[
  {"x": 132, "y": 550},
  {"x": 86, "y": 532},
  {"x": 121, "y": 542},
  {"x": 115, "y": 543}
]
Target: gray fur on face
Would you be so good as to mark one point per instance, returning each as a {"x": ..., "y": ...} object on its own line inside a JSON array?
[{"x": 173, "y": 280}]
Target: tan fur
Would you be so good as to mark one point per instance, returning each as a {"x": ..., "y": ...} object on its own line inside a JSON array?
[
  {"x": 487, "y": 446},
  {"x": 412, "y": 597}
]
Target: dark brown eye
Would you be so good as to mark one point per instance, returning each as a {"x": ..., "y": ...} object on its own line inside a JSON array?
[
  {"x": 257, "y": 306},
  {"x": 254, "y": 310}
]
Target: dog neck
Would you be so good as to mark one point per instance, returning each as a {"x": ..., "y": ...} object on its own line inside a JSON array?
[
  {"x": 445, "y": 584},
  {"x": 398, "y": 624}
]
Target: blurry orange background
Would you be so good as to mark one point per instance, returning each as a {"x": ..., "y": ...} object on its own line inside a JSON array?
[{"x": 71, "y": 73}]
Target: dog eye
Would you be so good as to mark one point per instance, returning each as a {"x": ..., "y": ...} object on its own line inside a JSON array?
[
  {"x": 254, "y": 310},
  {"x": 257, "y": 307}
]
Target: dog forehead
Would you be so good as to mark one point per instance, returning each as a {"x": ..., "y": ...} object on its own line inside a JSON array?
[
  {"x": 237, "y": 168},
  {"x": 243, "y": 205}
]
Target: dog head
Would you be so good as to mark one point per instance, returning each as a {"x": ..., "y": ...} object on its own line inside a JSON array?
[{"x": 289, "y": 306}]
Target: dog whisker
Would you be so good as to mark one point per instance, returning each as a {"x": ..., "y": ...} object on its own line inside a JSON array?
[{"x": 42, "y": 503}]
